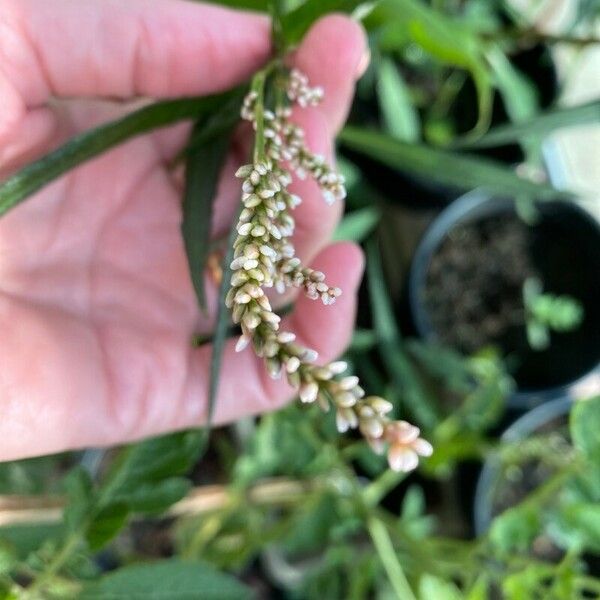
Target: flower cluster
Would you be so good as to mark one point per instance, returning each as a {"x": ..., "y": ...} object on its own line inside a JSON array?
[{"x": 264, "y": 257}]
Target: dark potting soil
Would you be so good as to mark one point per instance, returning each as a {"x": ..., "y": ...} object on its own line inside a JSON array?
[{"x": 473, "y": 292}]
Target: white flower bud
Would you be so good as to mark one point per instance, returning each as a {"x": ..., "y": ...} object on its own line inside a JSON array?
[
  {"x": 310, "y": 355},
  {"x": 308, "y": 392},
  {"x": 258, "y": 231},
  {"x": 286, "y": 337},
  {"x": 244, "y": 228},
  {"x": 347, "y": 383},
  {"x": 292, "y": 364},
  {"x": 243, "y": 171},
  {"x": 337, "y": 367},
  {"x": 242, "y": 343},
  {"x": 345, "y": 400},
  {"x": 251, "y": 263}
]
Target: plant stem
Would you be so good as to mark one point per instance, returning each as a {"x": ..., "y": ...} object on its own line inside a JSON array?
[
  {"x": 276, "y": 10},
  {"x": 258, "y": 86},
  {"x": 385, "y": 550},
  {"x": 35, "y": 590},
  {"x": 376, "y": 490}
]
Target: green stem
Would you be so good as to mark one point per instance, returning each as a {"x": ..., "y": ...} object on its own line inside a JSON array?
[
  {"x": 276, "y": 10},
  {"x": 258, "y": 86},
  {"x": 376, "y": 490},
  {"x": 387, "y": 554},
  {"x": 35, "y": 590}
]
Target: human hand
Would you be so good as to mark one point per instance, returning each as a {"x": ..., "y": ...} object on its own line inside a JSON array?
[{"x": 97, "y": 309}]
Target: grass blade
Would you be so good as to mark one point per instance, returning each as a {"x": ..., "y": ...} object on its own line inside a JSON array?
[
  {"x": 387, "y": 554},
  {"x": 357, "y": 225},
  {"x": 416, "y": 398},
  {"x": 91, "y": 143},
  {"x": 400, "y": 116},
  {"x": 223, "y": 323},
  {"x": 203, "y": 167},
  {"x": 447, "y": 168},
  {"x": 542, "y": 124}
]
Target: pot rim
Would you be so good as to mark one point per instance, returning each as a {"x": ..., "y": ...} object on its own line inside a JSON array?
[
  {"x": 524, "y": 425},
  {"x": 470, "y": 206}
]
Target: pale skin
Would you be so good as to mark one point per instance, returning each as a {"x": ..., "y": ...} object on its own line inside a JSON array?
[{"x": 97, "y": 309}]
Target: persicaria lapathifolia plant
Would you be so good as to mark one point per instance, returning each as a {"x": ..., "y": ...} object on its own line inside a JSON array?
[{"x": 264, "y": 257}]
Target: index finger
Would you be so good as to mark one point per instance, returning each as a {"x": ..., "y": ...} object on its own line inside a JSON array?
[{"x": 122, "y": 49}]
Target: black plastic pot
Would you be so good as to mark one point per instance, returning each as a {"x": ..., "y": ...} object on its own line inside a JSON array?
[
  {"x": 566, "y": 251},
  {"x": 490, "y": 479}
]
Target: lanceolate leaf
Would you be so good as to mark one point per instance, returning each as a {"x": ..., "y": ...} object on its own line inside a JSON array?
[
  {"x": 223, "y": 323},
  {"x": 171, "y": 579},
  {"x": 357, "y": 225},
  {"x": 447, "y": 168},
  {"x": 203, "y": 167},
  {"x": 450, "y": 41},
  {"x": 96, "y": 141},
  {"x": 400, "y": 116},
  {"x": 542, "y": 124}
]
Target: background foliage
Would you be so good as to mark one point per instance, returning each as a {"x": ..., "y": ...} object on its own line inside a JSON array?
[{"x": 282, "y": 506}]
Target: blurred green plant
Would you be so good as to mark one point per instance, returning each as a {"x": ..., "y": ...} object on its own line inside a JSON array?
[
  {"x": 545, "y": 312},
  {"x": 292, "y": 507}
]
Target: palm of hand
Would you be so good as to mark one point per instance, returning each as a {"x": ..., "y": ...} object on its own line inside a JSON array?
[
  {"x": 94, "y": 272},
  {"x": 97, "y": 309}
]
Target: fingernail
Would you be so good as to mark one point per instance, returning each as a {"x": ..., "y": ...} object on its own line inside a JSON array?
[{"x": 363, "y": 63}]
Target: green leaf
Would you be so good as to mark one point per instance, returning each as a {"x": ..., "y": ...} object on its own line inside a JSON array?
[
  {"x": 580, "y": 524},
  {"x": 171, "y": 579},
  {"x": 400, "y": 117},
  {"x": 418, "y": 401},
  {"x": 203, "y": 167},
  {"x": 387, "y": 554},
  {"x": 357, "y": 225},
  {"x": 585, "y": 428},
  {"x": 79, "y": 488},
  {"x": 434, "y": 587},
  {"x": 297, "y": 22},
  {"x": 153, "y": 460},
  {"x": 515, "y": 528},
  {"x": 518, "y": 92},
  {"x": 444, "y": 167},
  {"x": 479, "y": 590},
  {"x": 106, "y": 524},
  {"x": 87, "y": 145},
  {"x": 144, "y": 478},
  {"x": 414, "y": 520},
  {"x": 443, "y": 363},
  {"x": 278, "y": 446},
  {"x": 222, "y": 323},
  {"x": 520, "y": 98},
  {"x": 527, "y": 582},
  {"x": 25, "y": 539},
  {"x": 450, "y": 41},
  {"x": 310, "y": 528},
  {"x": 156, "y": 497},
  {"x": 542, "y": 124}
]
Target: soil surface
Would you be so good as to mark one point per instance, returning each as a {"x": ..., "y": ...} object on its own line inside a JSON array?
[{"x": 473, "y": 292}]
